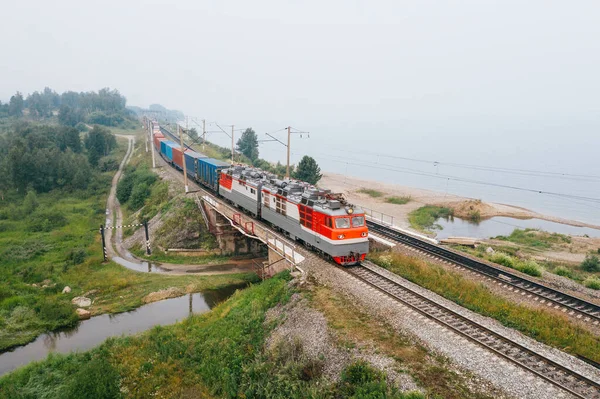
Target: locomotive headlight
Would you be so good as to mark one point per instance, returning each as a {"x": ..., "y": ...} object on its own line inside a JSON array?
[
  {"x": 364, "y": 234},
  {"x": 349, "y": 211},
  {"x": 341, "y": 236}
]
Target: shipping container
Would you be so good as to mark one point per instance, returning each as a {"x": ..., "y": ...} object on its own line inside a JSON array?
[
  {"x": 209, "y": 170},
  {"x": 191, "y": 163},
  {"x": 166, "y": 149},
  {"x": 157, "y": 139},
  {"x": 178, "y": 157}
]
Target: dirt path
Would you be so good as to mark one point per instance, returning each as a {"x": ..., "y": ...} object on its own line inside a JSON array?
[{"x": 119, "y": 254}]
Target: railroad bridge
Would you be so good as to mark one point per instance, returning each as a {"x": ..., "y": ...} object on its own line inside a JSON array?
[{"x": 239, "y": 233}]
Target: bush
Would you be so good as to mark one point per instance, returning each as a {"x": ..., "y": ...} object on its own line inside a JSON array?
[
  {"x": 592, "y": 282},
  {"x": 46, "y": 220},
  {"x": 76, "y": 256},
  {"x": 503, "y": 259},
  {"x": 563, "y": 271},
  {"x": 529, "y": 267},
  {"x": 475, "y": 216},
  {"x": 591, "y": 264},
  {"x": 108, "y": 164},
  {"x": 139, "y": 194},
  {"x": 56, "y": 313}
]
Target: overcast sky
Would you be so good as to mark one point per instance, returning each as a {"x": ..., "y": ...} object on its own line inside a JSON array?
[{"x": 506, "y": 82}]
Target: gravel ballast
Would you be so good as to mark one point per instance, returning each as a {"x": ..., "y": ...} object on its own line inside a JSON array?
[{"x": 502, "y": 374}]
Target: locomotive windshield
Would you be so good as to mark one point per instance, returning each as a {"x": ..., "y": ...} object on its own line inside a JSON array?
[
  {"x": 358, "y": 221},
  {"x": 342, "y": 223}
]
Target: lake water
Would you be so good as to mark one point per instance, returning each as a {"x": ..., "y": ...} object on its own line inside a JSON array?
[
  {"x": 504, "y": 226},
  {"x": 487, "y": 157},
  {"x": 92, "y": 332}
]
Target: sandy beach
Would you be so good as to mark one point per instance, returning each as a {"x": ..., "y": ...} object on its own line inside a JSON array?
[{"x": 462, "y": 206}]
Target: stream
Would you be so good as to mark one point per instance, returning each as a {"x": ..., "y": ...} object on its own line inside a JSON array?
[{"x": 90, "y": 333}]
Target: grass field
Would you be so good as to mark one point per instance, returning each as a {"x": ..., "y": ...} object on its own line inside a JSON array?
[{"x": 548, "y": 326}]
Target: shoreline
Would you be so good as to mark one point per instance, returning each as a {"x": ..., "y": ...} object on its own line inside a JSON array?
[{"x": 349, "y": 186}]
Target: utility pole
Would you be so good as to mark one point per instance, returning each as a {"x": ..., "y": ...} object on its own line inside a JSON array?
[
  {"x": 185, "y": 180},
  {"x": 203, "y": 133},
  {"x": 232, "y": 149},
  {"x": 287, "y": 169},
  {"x": 150, "y": 133}
]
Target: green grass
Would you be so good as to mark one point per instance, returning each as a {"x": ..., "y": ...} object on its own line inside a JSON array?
[
  {"x": 216, "y": 354},
  {"x": 548, "y": 326},
  {"x": 39, "y": 249},
  {"x": 424, "y": 218},
  {"x": 534, "y": 238},
  {"x": 371, "y": 192},
  {"x": 398, "y": 200}
]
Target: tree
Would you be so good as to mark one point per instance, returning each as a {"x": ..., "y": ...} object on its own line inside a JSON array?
[
  {"x": 99, "y": 142},
  {"x": 30, "y": 203},
  {"x": 308, "y": 170},
  {"x": 248, "y": 144},
  {"x": 15, "y": 106},
  {"x": 193, "y": 133}
]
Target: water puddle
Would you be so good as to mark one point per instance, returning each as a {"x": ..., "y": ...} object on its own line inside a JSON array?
[
  {"x": 504, "y": 226},
  {"x": 140, "y": 266},
  {"x": 92, "y": 332}
]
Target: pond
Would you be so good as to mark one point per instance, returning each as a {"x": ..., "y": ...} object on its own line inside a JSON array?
[
  {"x": 92, "y": 332},
  {"x": 504, "y": 226}
]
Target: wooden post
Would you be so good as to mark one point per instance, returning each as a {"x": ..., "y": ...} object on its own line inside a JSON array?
[
  {"x": 103, "y": 242},
  {"x": 148, "y": 252}
]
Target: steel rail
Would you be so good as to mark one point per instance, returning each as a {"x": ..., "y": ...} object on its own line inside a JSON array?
[
  {"x": 589, "y": 311},
  {"x": 549, "y": 370}
]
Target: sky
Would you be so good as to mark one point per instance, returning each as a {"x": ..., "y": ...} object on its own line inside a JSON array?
[{"x": 504, "y": 83}]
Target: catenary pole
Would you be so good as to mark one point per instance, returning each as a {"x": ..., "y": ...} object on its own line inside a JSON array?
[
  {"x": 150, "y": 133},
  {"x": 185, "y": 180},
  {"x": 287, "y": 169},
  {"x": 232, "y": 149}
]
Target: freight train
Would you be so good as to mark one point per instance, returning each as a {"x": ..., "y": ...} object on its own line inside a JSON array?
[{"x": 319, "y": 219}]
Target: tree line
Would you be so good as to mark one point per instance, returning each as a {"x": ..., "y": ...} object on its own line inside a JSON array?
[
  {"x": 44, "y": 157},
  {"x": 307, "y": 170},
  {"x": 105, "y": 107}
]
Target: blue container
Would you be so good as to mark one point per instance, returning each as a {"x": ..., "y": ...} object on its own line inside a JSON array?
[
  {"x": 208, "y": 172},
  {"x": 191, "y": 163},
  {"x": 166, "y": 148}
]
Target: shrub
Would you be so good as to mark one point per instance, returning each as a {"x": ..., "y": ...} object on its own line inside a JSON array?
[
  {"x": 591, "y": 264},
  {"x": 108, "y": 164},
  {"x": 139, "y": 194},
  {"x": 529, "y": 267},
  {"x": 503, "y": 259},
  {"x": 76, "y": 256},
  {"x": 592, "y": 282},
  {"x": 46, "y": 220},
  {"x": 475, "y": 216},
  {"x": 563, "y": 271},
  {"x": 81, "y": 127},
  {"x": 30, "y": 203},
  {"x": 56, "y": 313}
]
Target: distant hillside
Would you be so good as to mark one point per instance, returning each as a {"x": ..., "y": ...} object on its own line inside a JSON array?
[{"x": 159, "y": 112}]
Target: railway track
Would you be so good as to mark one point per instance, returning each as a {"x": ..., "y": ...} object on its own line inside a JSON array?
[
  {"x": 558, "y": 375},
  {"x": 572, "y": 305}
]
